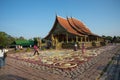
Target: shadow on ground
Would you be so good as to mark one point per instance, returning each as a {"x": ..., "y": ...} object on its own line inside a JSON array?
[{"x": 11, "y": 77}]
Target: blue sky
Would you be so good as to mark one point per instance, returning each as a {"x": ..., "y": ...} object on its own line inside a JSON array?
[{"x": 35, "y": 18}]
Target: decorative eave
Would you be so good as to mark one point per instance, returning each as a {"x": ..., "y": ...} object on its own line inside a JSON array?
[
  {"x": 52, "y": 28},
  {"x": 75, "y": 27}
]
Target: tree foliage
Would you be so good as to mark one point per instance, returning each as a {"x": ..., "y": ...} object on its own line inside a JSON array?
[
  {"x": 35, "y": 40},
  {"x": 115, "y": 39},
  {"x": 5, "y": 39}
]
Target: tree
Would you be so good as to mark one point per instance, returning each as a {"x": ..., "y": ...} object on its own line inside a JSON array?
[
  {"x": 5, "y": 39},
  {"x": 103, "y": 36},
  {"x": 21, "y": 38},
  {"x": 35, "y": 41},
  {"x": 114, "y": 39},
  {"x": 109, "y": 38}
]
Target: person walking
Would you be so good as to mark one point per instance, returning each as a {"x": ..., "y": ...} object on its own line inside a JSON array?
[
  {"x": 3, "y": 55},
  {"x": 36, "y": 50}
]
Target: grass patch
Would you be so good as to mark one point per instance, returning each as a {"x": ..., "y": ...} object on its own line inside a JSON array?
[{"x": 28, "y": 50}]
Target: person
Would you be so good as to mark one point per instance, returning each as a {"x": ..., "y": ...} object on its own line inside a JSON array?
[
  {"x": 75, "y": 47},
  {"x": 16, "y": 47},
  {"x": 3, "y": 55},
  {"x": 83, "y": 48},
  {"x": 36, "y": 50}
]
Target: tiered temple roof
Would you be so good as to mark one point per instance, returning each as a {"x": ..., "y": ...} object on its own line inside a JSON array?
[{"x": 72, "y": 26}]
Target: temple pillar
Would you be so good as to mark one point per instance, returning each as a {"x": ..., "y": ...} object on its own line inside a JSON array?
[
  {"x": 56, "y": 43},
  {"x": 53, "y": 40},
  {"x": 97, "y": 39},
  {"x": 81, "y": 38},
  {"x": 85, "y": 38},
  {"x": 76, "y": 38},
  {"x": 72, "y": 39},
  {"x": 101, "y": 39},
  {"x": 88, "y": 39},
  {"x": 67, "y": 37}
]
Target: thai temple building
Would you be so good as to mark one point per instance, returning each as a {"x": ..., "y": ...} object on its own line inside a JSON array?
[{"x": 66, "y": 31}]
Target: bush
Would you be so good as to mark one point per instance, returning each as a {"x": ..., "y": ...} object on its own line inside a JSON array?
[
  {"x": 28, "y": 50},
  {"x": 93, "y": 44},
  {"x": 102, "y": 43},
  {"x": 68, "y": 45}
]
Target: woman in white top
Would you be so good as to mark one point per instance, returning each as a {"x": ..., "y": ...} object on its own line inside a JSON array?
[{"x": 2, "y": 56}]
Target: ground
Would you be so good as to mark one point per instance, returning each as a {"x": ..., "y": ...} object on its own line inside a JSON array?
[{"x": 92, "y": 69}]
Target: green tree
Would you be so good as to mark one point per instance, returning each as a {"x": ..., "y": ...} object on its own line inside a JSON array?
[
  {"x": 114, "y": 39},
  {"x": 21, "y": 38},
  {"x": 109, "y": 38},
  {"x": 5, "y": 39},
  {"x": 35, "y": 41},
  {"x": 103, "y": 36}
]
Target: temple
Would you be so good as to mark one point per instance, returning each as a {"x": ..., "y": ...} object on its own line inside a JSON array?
[{"x": 71, "y": 30}]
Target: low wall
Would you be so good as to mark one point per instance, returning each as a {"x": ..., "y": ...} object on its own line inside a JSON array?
[{"x": 87, "y": 45}]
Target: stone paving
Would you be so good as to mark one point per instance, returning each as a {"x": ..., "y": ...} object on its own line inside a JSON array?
[
  {"x": 16, "y": 71},
  {"x": 113, "y": 70},
  {"x": 89, "y": 70}
]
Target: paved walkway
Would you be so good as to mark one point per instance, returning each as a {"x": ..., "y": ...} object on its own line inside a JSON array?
[
  {"x": 16, "y": 71},
  {"x": 113, "y": 70}
]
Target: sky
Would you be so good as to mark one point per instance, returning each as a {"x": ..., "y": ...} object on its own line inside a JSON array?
[{"x": 35, "y": 18}]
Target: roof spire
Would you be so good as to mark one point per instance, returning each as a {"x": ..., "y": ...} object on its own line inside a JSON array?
[
  {"x": 56, "y": 14},
  {"x": 71, "y": 17},
  {"x": 67, "y": 17}
]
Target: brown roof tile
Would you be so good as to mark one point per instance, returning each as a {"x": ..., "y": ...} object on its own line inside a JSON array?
[
  {"x": 80, "y": 25},
  {"x": 64, "y": 23}
]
